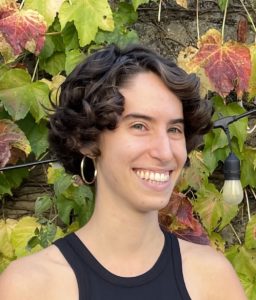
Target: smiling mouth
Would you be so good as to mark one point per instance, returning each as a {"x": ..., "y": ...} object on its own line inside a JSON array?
[{"x": 158, "y": 177}]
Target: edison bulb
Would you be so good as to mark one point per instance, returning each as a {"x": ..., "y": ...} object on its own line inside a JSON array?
[{"x": 233, "y": 191}]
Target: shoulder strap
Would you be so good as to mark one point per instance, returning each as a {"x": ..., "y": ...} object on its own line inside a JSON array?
[
  {"x": 68, "y": 247},
  {"x": 177, "y": 263}
]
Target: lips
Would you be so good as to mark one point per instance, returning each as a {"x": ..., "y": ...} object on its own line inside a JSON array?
[{"x": 153, "y": 176}]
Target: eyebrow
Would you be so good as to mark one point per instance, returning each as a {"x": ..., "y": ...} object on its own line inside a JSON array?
[{"x": 149, "y": 118}]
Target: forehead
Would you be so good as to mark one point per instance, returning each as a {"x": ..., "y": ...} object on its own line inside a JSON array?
[{"x": 147, "y": 93}]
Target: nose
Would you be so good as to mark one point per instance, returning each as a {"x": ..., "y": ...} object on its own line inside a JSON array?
[{"x": 161, "y": 147}]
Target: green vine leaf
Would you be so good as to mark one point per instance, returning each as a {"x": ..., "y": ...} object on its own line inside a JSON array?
[
  {"x": 15, "y": 177},
  {"x": 38, "y": 138},
  {"x": 137, "y": 3},
  {"x": 248, "y": 167},
  {"x": 47, "y": 8},
  {"x": 123, "y": 16},
  {"x": 65, "y": 207},
  {"x": 196, "y": 174},
  {"x": 88, "y": 16},
  {"x": 54, "y": 64},
  {"x": 15, "y": 94},
  {"x": 244, "y": 262},
  {"x": 5, "y": 187},
  {"x": 217, "y": 241},
  {"x": 13, "y": 143},
  {"x": 73, "y": 58},
  {"x": 19, "y": 94},
  {"x": 250, "y": 233},
  {"x": 222, "y": 4},
  {"x": 41, "y": 100},
  {"x": 54, "y": 173},
  {"x": 48, "y": 48},
  {"x": 22, "y": 29},
  {"x": 70, "y": 37},
  {"x": 42, "y": 204},
  {"x": 237, "y": 129},
  {"x": 213, "y": 211}
]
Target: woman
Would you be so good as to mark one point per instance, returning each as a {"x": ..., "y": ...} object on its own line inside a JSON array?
[{"x": 126, "y": 121}]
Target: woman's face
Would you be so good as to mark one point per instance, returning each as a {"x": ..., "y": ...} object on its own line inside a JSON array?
[{"x": 142, "y": 158}]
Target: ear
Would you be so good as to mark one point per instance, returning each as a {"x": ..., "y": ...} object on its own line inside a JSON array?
[{"x": 86, "y": 152}]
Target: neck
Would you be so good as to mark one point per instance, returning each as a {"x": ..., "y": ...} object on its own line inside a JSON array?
[
  {"x": 132, "y": 241},
  {"x": 123, "y": 230}
]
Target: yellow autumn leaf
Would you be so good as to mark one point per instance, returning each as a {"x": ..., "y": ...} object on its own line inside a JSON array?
[
  {"x": 22, "y": 233},
  {"x": 6, "y": 228},
  {"x": 185, "y": 61},
  {"x": 252, "y": 82},
  {"x": 183, "y": 3}
]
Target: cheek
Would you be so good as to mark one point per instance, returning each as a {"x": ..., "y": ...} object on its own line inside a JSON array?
[{"x": 181, "y": 154}]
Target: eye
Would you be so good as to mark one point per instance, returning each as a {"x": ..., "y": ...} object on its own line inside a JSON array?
[
  {"x": 139, "y": 126},
  {"x": 176, "y": 130}
]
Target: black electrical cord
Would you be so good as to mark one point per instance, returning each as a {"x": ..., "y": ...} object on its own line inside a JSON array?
[{"x": 31, "y": 164}]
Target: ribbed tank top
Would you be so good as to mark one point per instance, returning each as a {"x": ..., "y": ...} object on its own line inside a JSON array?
[{"x": 164, "y": 281}]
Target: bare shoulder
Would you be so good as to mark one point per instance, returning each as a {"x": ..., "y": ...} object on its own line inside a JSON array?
[
  {"x": 208, "y": 274},
  {"x": 39, "y": 274}
]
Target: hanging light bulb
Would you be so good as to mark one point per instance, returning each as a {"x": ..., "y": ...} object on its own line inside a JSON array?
[{"x": 232, "y": 188}]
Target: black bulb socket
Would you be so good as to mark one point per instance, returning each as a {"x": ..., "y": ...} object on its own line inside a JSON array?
[{"x": 232, "y": 167}]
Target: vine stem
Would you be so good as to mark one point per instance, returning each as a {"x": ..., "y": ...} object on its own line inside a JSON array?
[
  {"x": 41, "y": 158},
  {"x": 35, "y": 69},
  {"x": 159, "y": 11},
  {"x": 250, "y": 130},
  {"x": 22, "y": 3},
  {"x": 197, "y": 20},
  {"x": 247, "y": 203},
  {"x": 54, "y": 218},
  {"x": 224, "y": 21},
  {"x": 235, "y": 233},
  {"x": 53, "y": 33},
  {"x": 3, "y": 202},
  {"x": 254, "y": 195},
  {"x": 249, "y": 16}
]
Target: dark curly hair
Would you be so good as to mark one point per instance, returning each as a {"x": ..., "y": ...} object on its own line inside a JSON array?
[{"x": 90, "y": 101}]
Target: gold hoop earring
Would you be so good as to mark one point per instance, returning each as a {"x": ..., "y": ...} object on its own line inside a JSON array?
[{"x": 91, "y": 170}]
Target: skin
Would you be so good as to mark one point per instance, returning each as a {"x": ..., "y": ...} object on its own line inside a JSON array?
[{"x": 149, "y": 137}]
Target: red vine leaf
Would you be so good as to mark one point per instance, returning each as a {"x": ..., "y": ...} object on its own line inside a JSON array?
[
  {"x": 178, "y": 217},
  {"x": 22, "y": 29},
  {"x": 228, "y": 65},
  {"x": 221, "y": 67},
  {"x": 13, "y": 143}
]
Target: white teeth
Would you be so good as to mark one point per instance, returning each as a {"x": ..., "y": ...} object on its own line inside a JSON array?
[
  {"x": 157, "y": 177},
  {"x": 151, "y": 176}
]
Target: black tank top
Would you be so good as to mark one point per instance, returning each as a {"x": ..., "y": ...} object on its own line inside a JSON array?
[{"x": 164, "y": 281}]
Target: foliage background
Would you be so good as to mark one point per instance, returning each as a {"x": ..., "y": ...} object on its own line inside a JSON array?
[{"x": 50, "y": 38}]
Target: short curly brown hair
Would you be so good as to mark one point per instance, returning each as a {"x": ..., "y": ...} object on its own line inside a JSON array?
[{"x": 90, "y": 101}]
